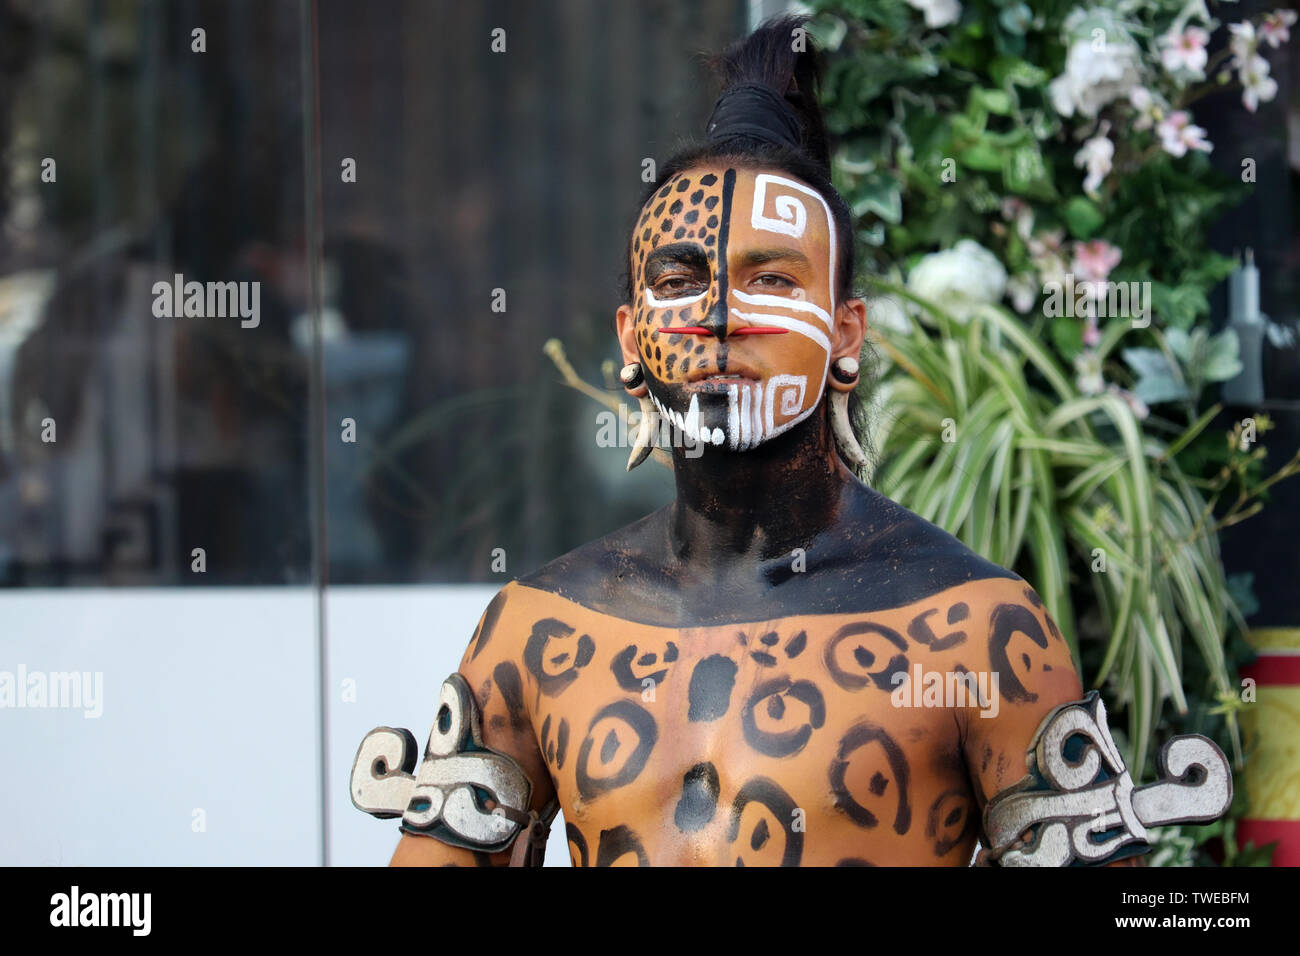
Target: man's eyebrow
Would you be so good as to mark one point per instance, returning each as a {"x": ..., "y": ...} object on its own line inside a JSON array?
[
  {"x": 685, "y": 253},
  {"x": 757, "y": 257}
]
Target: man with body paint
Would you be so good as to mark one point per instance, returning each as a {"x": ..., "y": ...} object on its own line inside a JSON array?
[{"x": 719, "y": 683}]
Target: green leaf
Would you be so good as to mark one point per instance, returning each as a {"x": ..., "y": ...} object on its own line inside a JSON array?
[
  {"x": 1178, "y": 306},
  {"x": 1025, "y": 173},
  {"x": 1211, "y": 269},
  {"x": 1221, "y": 360},
  {"x": 1016, "y": 19},
  {"x": 1082, "y": 217},
  {"x": 828, "y": 31},
  {"x": 967, "y": 129},
  {"x": 893, "y": 15},
  {"x": 869, "y": 74},
  {"x": 1194, "y": 429},
  {"x": 1067, "y": 336},
  {"x": 880, "y": 194},
  {"x": 1158, "y": 379},
  {"x": 1011, "y": 139},
  {"x": 982, "y": 156},
  {"x": 995, "y": 101},
  {"x": 1205, "y": 358},
  {"x": 1044, "y": 123}
]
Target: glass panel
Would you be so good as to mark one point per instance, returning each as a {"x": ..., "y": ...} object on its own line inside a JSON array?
[
  {"x": 156, "y": 541},
  {"x": 153, "y": 360},
  {"x": 493, "y": 196}
]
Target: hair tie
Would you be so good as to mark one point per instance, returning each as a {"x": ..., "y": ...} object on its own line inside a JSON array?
[{"x": 753, "y": 109}]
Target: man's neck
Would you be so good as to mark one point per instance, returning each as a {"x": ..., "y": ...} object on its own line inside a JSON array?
[{"x": 736, "y": 509}]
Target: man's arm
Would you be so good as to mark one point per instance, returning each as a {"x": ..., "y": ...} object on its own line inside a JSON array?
[
  {"x": 491, "y": 667},
  {"x": 1035, "y": 676},
  {"x": 1029, "y": 672}
]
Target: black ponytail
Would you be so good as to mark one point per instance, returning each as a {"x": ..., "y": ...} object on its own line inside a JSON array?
[{"x": 781, "y": 57}]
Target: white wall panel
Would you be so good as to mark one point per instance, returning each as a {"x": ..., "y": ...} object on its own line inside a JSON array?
[{"x": 208, "y": 704}]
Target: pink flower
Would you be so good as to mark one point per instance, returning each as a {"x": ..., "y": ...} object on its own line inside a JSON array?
[
  {"x": 1094, "y": 259},
  {"x": 1139, "y": 407},
  {"x": 1275, "y": 30},
  {"x": 1178, "y": 135},
  {"x": 1184, "y": 51},
  {"x": 1091, "y": 334}
]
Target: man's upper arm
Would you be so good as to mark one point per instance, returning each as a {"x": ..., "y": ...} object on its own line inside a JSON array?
[
  {"x": 1029, "y": 671},
  {"x": 1035, "y": 674},
  {"x": 491, "y": 667}
]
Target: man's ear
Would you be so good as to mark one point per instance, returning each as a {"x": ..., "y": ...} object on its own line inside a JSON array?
[
  {"x": 850, "y": 329},
  {"x": 623, "y": 322}
]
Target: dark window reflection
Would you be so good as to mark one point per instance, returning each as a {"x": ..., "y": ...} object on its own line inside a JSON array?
[{"x": 128, "y": 439}]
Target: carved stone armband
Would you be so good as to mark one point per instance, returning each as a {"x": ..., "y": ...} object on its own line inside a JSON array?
[
  {"x": 1079, "y": 803},
  {"x": 447, "y": 798}
]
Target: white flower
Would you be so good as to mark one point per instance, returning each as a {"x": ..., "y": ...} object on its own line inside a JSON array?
[
  {"x": 938, "y": 13},
  {"x": 1150, "y": 107},
  {"x": 1023, "y": 290},
  {"x": 1052, "y": 269},
  {"x": 1185, "y": 51},
  {"x": 1274, "y": 28},
  {"x": 1178, "y": 135},
  {"x": 1243, "y": 42},
  {"x": 885, "y": 312},
  {"x": 1093, "y": 77},
  {"x": 1017, "y": 210},
  {"x": 1047, "y": 241},
  {"x": 1095, "y": 155},
  {"x": 1087, "y": 365},
  {"x": 1256, "y": 85},
  {"x": 959, "y": 279},
  {"x": 1048, "y": 256}
]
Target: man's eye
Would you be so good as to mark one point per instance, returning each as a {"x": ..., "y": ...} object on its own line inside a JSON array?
[
  {"x": 775, "y": 280},
  {"x": 677, "y": 284}
]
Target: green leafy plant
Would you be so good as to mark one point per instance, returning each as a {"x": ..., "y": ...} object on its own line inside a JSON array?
[
  {"x": 999, "y": 152},
  {"x": 980, "y": 429}
]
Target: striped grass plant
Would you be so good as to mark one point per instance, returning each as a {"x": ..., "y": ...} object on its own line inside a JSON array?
[{"x": 1039, "y": 477}]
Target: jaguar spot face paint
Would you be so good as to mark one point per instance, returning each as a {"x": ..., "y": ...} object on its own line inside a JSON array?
[{"x": 734, "y": 275}]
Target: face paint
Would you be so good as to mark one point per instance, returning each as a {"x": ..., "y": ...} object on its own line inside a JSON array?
[{"x": 734, "y": 297}]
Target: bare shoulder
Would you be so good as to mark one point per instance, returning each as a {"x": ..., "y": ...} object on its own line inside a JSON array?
[
  {"x": 496, "y": 648},
  {"x": 626, "y": 573},
  {"x": 1026, "y": 663}
]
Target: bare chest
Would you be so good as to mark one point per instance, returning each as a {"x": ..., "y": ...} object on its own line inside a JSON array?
[{"x": 764, "y": 743}]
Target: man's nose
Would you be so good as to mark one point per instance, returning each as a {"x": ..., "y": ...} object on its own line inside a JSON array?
[{"x": 718, "y": 317}]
